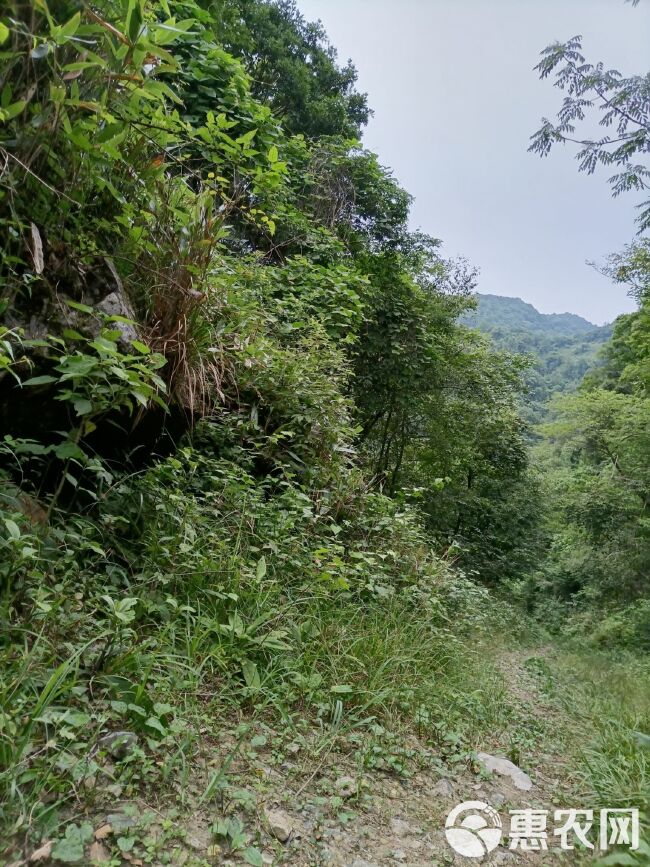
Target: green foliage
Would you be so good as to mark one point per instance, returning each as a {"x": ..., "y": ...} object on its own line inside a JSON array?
[
  {"x": 233, "y": 495},
  {"x": 293, "y": 67},
  {"x": 622, "y": 104},
  {"x": 596, "y": 456},
  {"x": 562, "y": 347}
]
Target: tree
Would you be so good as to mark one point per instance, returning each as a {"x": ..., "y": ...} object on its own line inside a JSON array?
[
  {"x": 293, "y": 67},
  {"x": 623, "y": 105}
]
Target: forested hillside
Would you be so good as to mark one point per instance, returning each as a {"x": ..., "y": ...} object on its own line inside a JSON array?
[
  {"x": 263, "y": 490},
  {"x": 562, "y": 346}
]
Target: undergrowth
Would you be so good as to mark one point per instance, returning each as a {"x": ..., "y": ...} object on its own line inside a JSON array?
[{"x": 196, "y": 593}]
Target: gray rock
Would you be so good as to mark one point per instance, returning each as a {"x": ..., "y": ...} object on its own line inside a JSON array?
[
  {"x": 118, "y": 744},
  {"x": 506, "y": 768},
  {"x": 497, "y": 799},
  {"x": 116, "y": 304},
  {"x": 501, "y": 856},
  {"x": 359, "y": 862},
  {"x": 400, "y": 828},
  {"x": 346, "y": 787},
  {"x": 280, "y": 824},
  {"x": 444, "y": 789}
]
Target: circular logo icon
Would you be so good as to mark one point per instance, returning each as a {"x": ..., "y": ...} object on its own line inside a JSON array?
[{"x": 473, "y": 829}]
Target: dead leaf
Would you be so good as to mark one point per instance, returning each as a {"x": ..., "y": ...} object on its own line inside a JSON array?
[
  {"x": 37, "y": 250},
  {"x": 42, "y": 853},
  {"x": 98, "y": 853},
  {"x": 103, "y": 831}
]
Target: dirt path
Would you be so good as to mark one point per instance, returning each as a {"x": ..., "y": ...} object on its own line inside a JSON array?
[{"x": 304, "y": 800}]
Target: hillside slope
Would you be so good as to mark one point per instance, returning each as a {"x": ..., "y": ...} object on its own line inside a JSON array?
[{"x": 563, "y": 345}]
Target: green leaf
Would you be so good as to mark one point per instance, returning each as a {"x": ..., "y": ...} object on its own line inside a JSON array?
[
  {"x": 154, "y": 723},
  {"x": 125, "y": 844},
  {"x": 84, "y": 308},
  {"x": 260, "y": 572},
  {"x": 161, "y": 708},
  {"x": 253, "y": 856},
  {"x": 40, "y": 380},
  {"x": 82, "y": 406},
  {"x": 134, "y": 20},
  {"x": 69, "y": 449},
  {"x": 4, "y": 33},
  {"x": 12, "y": 110},
  {"x": 342, "y": 689},
  {"x": 247, "y": 137},
  {"x": 70, "y": 849},
  {"x": 13, "y": 528},
  {"x": 251, "y": 674},
  {"x": 70, "y": 28}
]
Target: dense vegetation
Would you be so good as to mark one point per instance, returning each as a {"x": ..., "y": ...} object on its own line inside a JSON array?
[
  {"x": 596, "y": 456},
  {"x": 596, "y": 449},
  {"x": 228, "y": 369},
  {"x": 562, "y": 347},
  {"x": 252, "y": 460}
]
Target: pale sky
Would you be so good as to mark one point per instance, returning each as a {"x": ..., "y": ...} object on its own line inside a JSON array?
[{"x": 456, "y": 99}]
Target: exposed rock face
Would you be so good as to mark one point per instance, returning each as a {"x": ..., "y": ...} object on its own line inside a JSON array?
[
  {"x": 117, "y": 303},
  {"x": 45, "y": 311}
]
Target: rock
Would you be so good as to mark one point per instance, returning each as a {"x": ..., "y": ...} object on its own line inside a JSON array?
[
  {"x": 497, "y": 799},
  {"x": 118, "y": 744},
  {"x": 444, "y": 789},
  {"x": 116, "y": 304},
  {"x": 267, "y": 858},
  {"x": 506, "y": 768},
  {"x": 502, "y": 856},
  {"x": 399, "y": 855},
  {"x": 280, "y": 824},
  {"x": 98, "y": 853},
  {"x": 359, "y": 862},
  {"x": 42, "y": 853},
  {"x": 346, "y": 787},
  {"x": 400, "y": 828},
  {"x": 198, "y": 834}
]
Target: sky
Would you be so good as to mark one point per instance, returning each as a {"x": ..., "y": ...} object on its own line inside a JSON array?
[{"x": 456, "y": 99}]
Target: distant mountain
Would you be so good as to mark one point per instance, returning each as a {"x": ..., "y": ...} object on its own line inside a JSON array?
[
  {"x": 497, "y": 311},
  {"x": 563, "y": 345}
]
